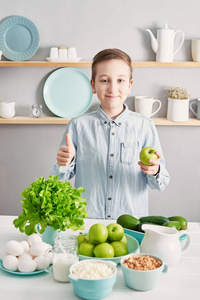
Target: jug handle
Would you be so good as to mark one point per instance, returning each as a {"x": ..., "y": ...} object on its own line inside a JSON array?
[
  {"x": 192, "y": 103},
  {"x": 181, "y": 41},
  {"x": 188, "y": 242}
]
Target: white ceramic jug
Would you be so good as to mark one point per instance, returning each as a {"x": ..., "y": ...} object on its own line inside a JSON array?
[
  {"x": 7, "y": 109},
  {"x": 163, "y": 46},
  {"x": 164, "y": 242}
]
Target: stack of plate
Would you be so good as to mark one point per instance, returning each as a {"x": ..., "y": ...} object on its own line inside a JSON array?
[{"x": 19, "y": 38}]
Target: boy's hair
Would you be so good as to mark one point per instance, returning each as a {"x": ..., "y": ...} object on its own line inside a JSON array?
[{"x": 109, "y": 54}]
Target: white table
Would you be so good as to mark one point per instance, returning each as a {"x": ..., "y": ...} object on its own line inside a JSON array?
[{"x": 181, "y": 282}]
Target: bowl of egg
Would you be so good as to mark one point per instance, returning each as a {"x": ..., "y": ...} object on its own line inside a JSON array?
[
  {"x": 93, "y": 279},
  {"x": 25, "y": 257}
]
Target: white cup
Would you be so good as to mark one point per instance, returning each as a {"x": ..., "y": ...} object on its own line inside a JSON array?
[
  {"x": 71, "y": 52},
  {"x": 195, "y": 48},
  {"x": 7, "y": 109},
  {"x": 54, "y": 52},
  {"x": 144, "y": 105}
]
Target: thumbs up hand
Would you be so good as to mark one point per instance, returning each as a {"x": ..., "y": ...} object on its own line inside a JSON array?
[{"x": 66, "y": 153}]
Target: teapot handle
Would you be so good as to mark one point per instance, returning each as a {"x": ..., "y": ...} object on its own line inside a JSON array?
[
  {"x": 181, "y": 41},
  {"x": 188, "y": 242}
]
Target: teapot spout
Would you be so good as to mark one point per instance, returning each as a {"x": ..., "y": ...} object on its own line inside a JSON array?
[{"x": 154, "y": 42}]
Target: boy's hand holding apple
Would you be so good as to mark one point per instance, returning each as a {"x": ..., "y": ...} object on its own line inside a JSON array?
[
  {"x": 66, "y": 153},
  {"x": 149, "y": 160}
]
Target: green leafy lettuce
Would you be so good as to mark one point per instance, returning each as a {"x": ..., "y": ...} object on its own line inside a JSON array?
[{"x": 51, "y": 202}]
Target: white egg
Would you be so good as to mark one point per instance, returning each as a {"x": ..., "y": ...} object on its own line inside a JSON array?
[
  {"x": 25, "y": 256},
  {"x": 41, "y": 262},
  {"x": 27, "y": 265},
  {"x": 25, "y": 245},
  {"x": 34, "y": 238},
  {"x": 14, "y": 248},
  {"x": 39, "y": 248},
  {"x": 3, "y": 254},
  {"x": 10, "y": 262}
]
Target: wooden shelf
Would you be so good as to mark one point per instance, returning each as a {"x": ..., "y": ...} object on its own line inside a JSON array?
[
  {"x": 57, "y": 120},
  {"x": 81, "y": 64}
]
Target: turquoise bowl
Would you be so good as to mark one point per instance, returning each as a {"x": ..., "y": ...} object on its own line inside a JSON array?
[
  {"x": 139, "y": 235},
  {"x": 132, "y": 245},
  {"x": 93, "y": 289}
]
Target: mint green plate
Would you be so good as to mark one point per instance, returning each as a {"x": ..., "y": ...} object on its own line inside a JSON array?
[
  {"x": 132, "y": 245},
  {"x": 67, "y": 92},
  {"x": 18, "y": 272}
]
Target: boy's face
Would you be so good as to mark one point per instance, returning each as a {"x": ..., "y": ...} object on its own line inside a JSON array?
[{"x": 112, "y": 84}]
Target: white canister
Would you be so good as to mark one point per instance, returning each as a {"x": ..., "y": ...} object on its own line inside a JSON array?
[
  {"x": 195, "y": 48},
  {"x": 7, "y": 109},
  {"x": 178, "y": 110}
]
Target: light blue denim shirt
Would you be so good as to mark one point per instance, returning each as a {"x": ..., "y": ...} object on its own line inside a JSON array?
[{"x": 106, "y": 162}]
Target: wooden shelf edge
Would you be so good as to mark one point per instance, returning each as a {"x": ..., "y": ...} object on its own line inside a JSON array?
[
  {"x": 89, "y": 63},
  {"x": 56, "y": 120},
  {"x": 32, "y": 120}
]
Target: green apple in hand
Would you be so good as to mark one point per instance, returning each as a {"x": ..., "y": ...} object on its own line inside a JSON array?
[
  {"x": 86, "y": 249},
  {"x": 146, "y": 154},
  {"x": 98, "y": 233},
  {"x": 82, "y": 238},
  {"x": 115, "y": 232},
  {"x": 104, "y": 250},
  {"x": 120, "y": 248}
]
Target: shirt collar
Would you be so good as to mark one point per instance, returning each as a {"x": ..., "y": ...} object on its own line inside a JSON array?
[{"x": 118, "y": 121}]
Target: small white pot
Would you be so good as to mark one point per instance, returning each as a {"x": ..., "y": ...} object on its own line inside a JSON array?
[{"x": 178, "y": 110}]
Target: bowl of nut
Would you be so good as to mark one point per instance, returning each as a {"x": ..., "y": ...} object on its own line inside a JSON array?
[{"x": 142, "y": 271}]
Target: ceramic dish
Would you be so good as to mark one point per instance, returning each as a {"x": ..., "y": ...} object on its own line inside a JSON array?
[
  {"x": 63, "y": 59},
  {"x": 132, "y": 245},
  {"x": 18, "y": 272},
  {"x": 67, "y": 92},
  {"x": 19, "y": 38},
  {"x": 139, "y": 235}
]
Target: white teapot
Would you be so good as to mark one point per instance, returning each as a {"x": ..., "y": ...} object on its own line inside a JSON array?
[
  {"x": 163, "y": 46},
  {"x": 164, "y": 242}
]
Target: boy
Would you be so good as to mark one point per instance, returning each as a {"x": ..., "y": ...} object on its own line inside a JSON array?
[{"x": 102, "y": 148}]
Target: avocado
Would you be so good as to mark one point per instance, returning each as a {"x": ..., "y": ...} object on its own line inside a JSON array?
[
  {"x": 182, "y": 220},
  {"x": 128, "y": 221},
  {"x": 158, "y": 220}
]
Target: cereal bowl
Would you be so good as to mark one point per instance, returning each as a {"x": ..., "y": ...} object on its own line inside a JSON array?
[
  {"x": 86, "y": 281},
  {"x": 139, "y": 277}
]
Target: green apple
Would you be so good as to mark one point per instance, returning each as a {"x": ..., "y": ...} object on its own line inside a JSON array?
[
  {"x": 104, "y": 250},
  {"x": 98, "y": 233},
  {"x": 124, "y": 240},
  {"x": 120, "y": 248},
  {"x": 86, "y": 249},
  {"x": 115, "y": 232},
  {"x": 146, "y": 154},
  {"x": 82, "y": 238}
]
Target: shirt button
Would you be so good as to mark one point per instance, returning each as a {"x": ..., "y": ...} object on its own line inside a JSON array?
[
  {"x": 105, "y": 122},
  {"x": 110, "y": 177},
  {"x": 109, "y": 198},
  {"x": 111, "y": 154},
  {"x": 108, "y": 216},
  {"x": 112, "y": 133},
  {"x": 119, "y": 123},
  {"x": 113, "y": 122}
]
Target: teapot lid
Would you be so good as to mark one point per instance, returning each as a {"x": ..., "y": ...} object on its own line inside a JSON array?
[{"x": 166, "y": 27}]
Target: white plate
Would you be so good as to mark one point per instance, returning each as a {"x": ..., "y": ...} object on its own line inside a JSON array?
[{"x": 61, "y": 59}]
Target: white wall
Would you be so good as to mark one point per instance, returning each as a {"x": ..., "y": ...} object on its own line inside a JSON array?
[{"x": 28, "y": 151}]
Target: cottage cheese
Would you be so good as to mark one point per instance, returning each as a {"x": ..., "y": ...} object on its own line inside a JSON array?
[{"x": 89, "y": 270}]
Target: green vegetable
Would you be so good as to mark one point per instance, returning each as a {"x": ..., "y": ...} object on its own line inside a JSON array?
[
  {"x": 159, "y": 220},
  {"x": 51, "y": 202}
]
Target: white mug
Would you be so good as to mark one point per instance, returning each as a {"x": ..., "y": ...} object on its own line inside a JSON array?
[
  {"x": 54, "y": 52},
  {"x": 144, "y": 105},
  {"x": 195, "y": 48},
  {"x": 7, "y": 109},
  {"x": 71, "y": 53}
]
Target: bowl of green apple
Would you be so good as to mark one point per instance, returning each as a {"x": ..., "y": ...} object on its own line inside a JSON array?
[{"x": 106, "y": 243}]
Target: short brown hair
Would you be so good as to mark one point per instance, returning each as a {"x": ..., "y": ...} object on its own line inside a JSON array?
[{"x": 109, "y": 54}]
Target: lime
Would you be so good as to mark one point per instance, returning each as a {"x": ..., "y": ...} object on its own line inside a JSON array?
[
  {"x": 182, "y": 221},
  {"x": 173, "y": 224}
]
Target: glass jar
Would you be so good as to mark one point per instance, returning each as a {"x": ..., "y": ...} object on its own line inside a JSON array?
[{"x": 64, "y": 254}]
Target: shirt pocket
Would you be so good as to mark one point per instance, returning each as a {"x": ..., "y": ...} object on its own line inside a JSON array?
[{"x": 129, "y": 152}]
